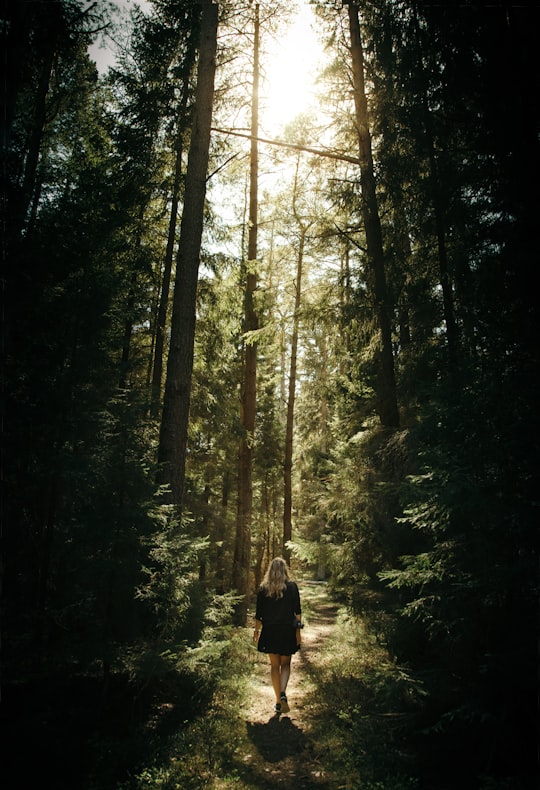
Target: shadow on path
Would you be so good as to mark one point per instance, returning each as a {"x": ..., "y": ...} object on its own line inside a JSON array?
[
  {"x": 278, "y": 739},
  {"x": 280, "y": 753}
]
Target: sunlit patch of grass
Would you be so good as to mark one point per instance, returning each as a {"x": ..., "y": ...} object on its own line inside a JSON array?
[
  {"x": 363, "y": 707},
  {"x": 357, "y": 706}
]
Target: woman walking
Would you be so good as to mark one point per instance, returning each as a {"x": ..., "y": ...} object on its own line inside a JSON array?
[{"x": 279, "y": 611}]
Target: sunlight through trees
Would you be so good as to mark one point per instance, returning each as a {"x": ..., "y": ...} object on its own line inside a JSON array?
[{"x": 269, "y": 291}]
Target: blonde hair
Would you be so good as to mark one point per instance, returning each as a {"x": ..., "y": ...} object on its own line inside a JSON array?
[{"x": 276, "y": 578}]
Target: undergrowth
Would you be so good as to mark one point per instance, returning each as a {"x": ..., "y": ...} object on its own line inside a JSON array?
[
  {"x": 360, "y": 706},
  {"x": 363, "y": 706},
  {"x": 193, "y": 755},
  {"x": 357, "y": 730}
]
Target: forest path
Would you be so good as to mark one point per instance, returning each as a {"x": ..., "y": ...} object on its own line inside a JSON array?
[{"x": 278, "y": 751}]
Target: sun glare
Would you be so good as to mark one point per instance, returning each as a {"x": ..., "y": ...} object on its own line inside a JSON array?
[{"x": 290, "y": 68}]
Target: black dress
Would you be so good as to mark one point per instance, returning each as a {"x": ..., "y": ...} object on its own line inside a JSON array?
[{"x": 277, "y": 615}]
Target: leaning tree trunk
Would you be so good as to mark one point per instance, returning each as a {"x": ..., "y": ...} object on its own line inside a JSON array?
[
  {"x": 386, "y": 382},
  {"x": 176, "y": 402},
  {"x": 242, "y": 550}
]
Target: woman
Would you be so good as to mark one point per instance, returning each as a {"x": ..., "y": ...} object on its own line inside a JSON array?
[{"x": 279, "y": 612}]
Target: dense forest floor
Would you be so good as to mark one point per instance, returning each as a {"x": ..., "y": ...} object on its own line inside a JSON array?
[
  {"x": 346, "y": 728},
  {"x": 352, "y": 724},
  {"x": 58, "y": 732}
]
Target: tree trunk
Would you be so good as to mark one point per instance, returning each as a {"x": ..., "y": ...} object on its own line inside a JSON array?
[
  {"x": 403, "y": 250},
  {"x": 438, "y": 211},
  {"x": 175, "y": 416},
  {"x": 161, "y": 322},
  {"x": 289, "y": 428},
  {"x": 127, "y": 337},
  {"x": 222, "y": 579},
  {"x": 35, "y": 139},
  {"x": 242, "y": 553},
  {"x": 386, "y": 383},
  {"x": 126, "y": 345},
  {"x": 345, "y": 300},
  {"x": 287, "y": 495}
]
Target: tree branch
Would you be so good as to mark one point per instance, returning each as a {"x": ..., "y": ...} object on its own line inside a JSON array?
[{"x": 293, "y": 146}]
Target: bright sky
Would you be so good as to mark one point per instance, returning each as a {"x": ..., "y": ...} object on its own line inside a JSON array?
[
  {"x": 101, "y": 51},
  {"x": 289, "y": 67},
  {"x": 290, "y": 70}
]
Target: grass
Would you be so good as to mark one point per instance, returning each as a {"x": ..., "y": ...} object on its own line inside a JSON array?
[
  {"x": 359, "y": 706},
  {"x": 193, "y": 756},
  {"x": 360, "y": 712},
  {"x": 362, "y": 709}
]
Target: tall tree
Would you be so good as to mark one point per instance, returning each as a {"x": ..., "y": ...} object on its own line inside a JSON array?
[
  {"x": 175, "y": 417},
  {"x": 437, "y": 201},
  {"x": 40, "y": 39},
  {"x": 248, "y": 395},
  {"x": 386, "y": 383},
  {"x": 163, "y": 307},
  {"x": 164, "y": 294},
  {"x": 289, "y": 423}
]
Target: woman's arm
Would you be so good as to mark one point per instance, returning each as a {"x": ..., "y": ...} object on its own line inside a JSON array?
[
  {"x": 258, "y": 616},
  {"x": 299, "y": 627},
  {"x": 256, "y": 630},
  {"x": 297, "y": 613}
]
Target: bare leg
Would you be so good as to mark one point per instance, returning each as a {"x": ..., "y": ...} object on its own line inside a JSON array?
[
  {"x": 285, "y": 672},
  {"x": 275, "y": 673}
]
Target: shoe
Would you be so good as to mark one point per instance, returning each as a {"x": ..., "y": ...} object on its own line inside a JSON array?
[
  {"x": 277, "y": 707},
  {"x": 284, "y": 704}
]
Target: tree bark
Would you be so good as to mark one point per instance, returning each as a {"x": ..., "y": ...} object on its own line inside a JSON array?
[
  {"x": 175, "y": 416},
  {"x": 248, "y": 396},
  {"x": 161, "y": 322},
  {"x": 386, "y": 383},
  {"x": 438, "y": 211},
  {"x": 289, "y": 428},
  {"x": 35, "y": 137}
]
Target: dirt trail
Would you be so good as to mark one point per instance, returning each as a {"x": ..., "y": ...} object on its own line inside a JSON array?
[{"x": 280, "y": 752}]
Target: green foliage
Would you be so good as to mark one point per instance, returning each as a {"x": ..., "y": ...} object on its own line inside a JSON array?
[
  {"x": 173, "y": 558},
  {"x": 467, "y": 590},
  {"x": 195, "y": 753},
  {"x": 430, "y": 531},
  {"x": 442, "y": 513},
  {"x": 94, "y": 569},
  {"x": 365, "y": 707}
]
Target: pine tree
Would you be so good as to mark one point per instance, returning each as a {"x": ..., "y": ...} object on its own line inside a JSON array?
[{"x": 175, "y": 417}]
